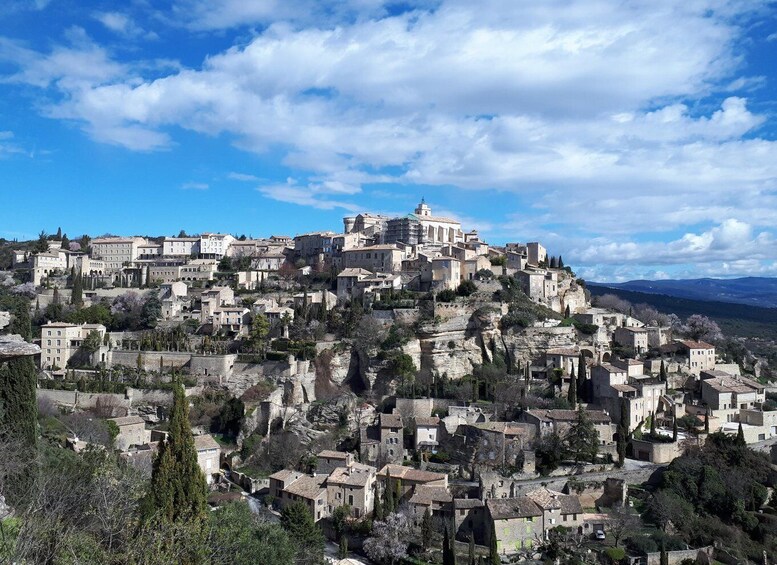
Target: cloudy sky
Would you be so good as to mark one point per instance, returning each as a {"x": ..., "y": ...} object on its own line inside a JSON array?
[{"x": 635, "y": 138}]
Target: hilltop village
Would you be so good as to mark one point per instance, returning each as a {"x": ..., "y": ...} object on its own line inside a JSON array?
[{"x": 424, "y": 395}]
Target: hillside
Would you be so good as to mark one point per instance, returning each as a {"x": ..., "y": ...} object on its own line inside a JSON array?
[
  {"x": 753, "y": 291},
  {"x": 734, "y": 319}
]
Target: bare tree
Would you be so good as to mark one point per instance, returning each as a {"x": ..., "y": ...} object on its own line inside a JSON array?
[{"x": 622, "y": 521}]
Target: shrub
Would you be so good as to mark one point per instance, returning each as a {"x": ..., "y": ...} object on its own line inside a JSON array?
[
  {"x": 642, "y": 545},
  {"x": 446, "y": 295},
  {"x": 466, "y": 288},
  {"x": 615, "y": 554}
]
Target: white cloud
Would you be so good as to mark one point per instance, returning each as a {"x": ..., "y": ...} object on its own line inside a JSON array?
[
  {"x": 729, "y": 241},
  {"x": 312, "y": 195},
  {"x": 243, "y": 177},
  {"x": 122, "y": 24},
  {"x": 607, "y": 118},
  {"x": 195, "y": 186}
]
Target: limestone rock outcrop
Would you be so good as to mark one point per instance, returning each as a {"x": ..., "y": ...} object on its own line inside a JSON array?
[{"x": 13, "y": 346}]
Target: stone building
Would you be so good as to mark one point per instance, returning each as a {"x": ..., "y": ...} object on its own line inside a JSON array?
[
  {"x": 215, "y": 245},
  {"x": 116, "y": 252},
  {"x": 208, "y": 455},
  {"x": 132, "y": 431},
  {"x": 60, "y": 342},
  {"x": 407, "y": 230},
  {"x": 438, "y": 229},
  {"x": 353, "y": 485},
  {"x": 376, "y": 258}
]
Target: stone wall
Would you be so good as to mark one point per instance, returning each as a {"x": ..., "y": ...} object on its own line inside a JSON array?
[
  {"x": 675, "y": 557},
  {"x": 196, "y": 364},
  {"x": 134, "y": 397}
]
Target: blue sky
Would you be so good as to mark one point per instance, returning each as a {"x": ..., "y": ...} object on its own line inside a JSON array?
[{"x": 635, "y": 138}]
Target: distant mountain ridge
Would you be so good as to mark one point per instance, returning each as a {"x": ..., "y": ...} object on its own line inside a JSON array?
[{"x": 752, "y": 291}]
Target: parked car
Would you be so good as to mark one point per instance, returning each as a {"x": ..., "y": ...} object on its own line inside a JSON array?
[{"x": 599, "y": 535}]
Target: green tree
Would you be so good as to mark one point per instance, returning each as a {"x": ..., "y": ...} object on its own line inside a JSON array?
[
  {"x": 42, "y": 244},
  {"x": 493, "y": 551},
  {"x": 741, "y": 435},
  {"x": 297, "y": 521},
  {"x": 238, "y": 537},
  {"x": 572, "y": 392},
  {"x": 342, "y": 551},
  {"x": 583, "y": 438},
  {"x": 674, "y": 428},
  {"x": 18, "y": 408},
  {"x": 581, "y": 377},
  {"x": 426, "y": 530},
  {"x": 178, "y": 489},
  {"x": 77, "y": 295},
  {"x": 377, "y": 512},
  {"x": 448, "y": 555},
  {"x": 662, "y": 372}
]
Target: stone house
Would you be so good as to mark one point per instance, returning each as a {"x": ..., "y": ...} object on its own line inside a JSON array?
[
  {"x": 409, "y": 478},
  {"x": 547, "y": 421},
  {"x": 558, "y": 509},
  {"x": 701, "y": 355},
  {"x": 132, "y": 431},
  {"x": 208, "y": 455},
  {"x": 633, "y": 338},
  {"x": 288, "y": 486},
  {"x": 234, "y": 319},
  {"x": 612, "y": 386},
  {"x": 328, "y": 460},
  {"x": 521, "y": 522},
  {"x": 213, "y": 299},
  {"x": 61, "y": 341},
  {"x": 353, "y": 485},
  {"x": 499, "y": 444},
  {"x": 567, "y": 359},
  {"x": 215, "y": 245},
  {"x": 437, "y": 499},
  {"x": 376, "y": 258},
  {"x": 426, "y": 430},
  {"x": 727, "y": 395},
  {"x": 391, "y": 437},
  {"x": 279, "y": 481},
  {"x": 654, "y": 451},
  {"x": 469, "y": 517},
  {"x": 764, "y": 422},
  {"x": 516, "y": 523}
]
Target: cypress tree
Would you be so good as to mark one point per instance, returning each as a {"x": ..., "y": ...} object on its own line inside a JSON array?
[
  {"x": 19, "y": 410},
  {"x": 471, "y": 549},
  {"x": 388, "y": 494},
  {"x": 560, "y": 262},
  {"x": 493, "y": 552},
  {"x": 397, "y": 494},
  {"x": 581, "y": 377},
  {"x": 426, "y": 530},
  {"x": 55, "y": 296},
  {"x": 707, "y": 421},
  {"x": 377, "y": 513},
  {"x": 652, "y": 424},
  {"x": 448, "y": 554},
  {"x": 77, "y": 296},
  {"x": 178, "y": 488},
  {"x": 674, "y": 428},
  {"x": 662, "y": 372},
  {"x": 567, "y": 312},
  {"x": 572, "y": 392},
  {"x": 741, "y": 435}
]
